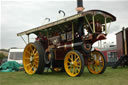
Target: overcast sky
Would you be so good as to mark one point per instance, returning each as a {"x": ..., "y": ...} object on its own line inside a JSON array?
[{"x": 21, "y": 15}]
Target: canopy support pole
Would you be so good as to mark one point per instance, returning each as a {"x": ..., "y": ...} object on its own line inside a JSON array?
[
  {"x": 72, "y": 31},
  {"x": 28, "y": 38},
  {"x": 109, "y": 27},
  {"x": 93, "y": 24},
  {"x": 72, "y": 35},
  {"x": 88, "y": 23},
  {"x": 105, "y": 26},
  {"x": 23, "y": 40}
]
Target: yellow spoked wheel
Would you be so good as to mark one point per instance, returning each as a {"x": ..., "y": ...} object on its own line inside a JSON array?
[
  {"x": 31, "y": 59},
  {"x": 74, "y": 63},
  {"x": 96, "y": 63}
]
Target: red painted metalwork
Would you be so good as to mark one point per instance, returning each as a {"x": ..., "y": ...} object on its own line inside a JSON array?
[{"x": 106, "y": 53}]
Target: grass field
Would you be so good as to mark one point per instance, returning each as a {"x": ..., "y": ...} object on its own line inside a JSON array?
[{"x": 110, "y": 77}]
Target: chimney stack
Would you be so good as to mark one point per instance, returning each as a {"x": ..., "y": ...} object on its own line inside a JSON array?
[{"x": 79, "y": 6}]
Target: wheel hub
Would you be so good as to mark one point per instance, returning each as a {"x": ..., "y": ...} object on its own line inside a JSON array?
[
  {"x": 97, "y": 62},
  {"x": 31, "y": 58},
  {"x": 72, "y": 63},
  {"x": 75, "y": 64}
]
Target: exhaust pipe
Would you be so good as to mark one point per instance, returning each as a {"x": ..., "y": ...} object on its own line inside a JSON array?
[{"x": 80, "y": 7}]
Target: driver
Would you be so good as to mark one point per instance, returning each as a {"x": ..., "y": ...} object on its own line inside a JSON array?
[{"x": 98, "y": 27}]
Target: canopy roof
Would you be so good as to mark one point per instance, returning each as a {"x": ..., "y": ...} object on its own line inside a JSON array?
[{"x": 62, "y": 23}]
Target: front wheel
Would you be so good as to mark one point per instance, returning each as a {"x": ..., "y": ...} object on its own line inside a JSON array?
[
  {"x": 74, "y": 63},
  {"x": 96, "y": 63},
  {"x": 33, "y": 58}
]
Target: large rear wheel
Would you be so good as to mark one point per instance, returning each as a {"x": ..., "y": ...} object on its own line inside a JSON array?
[
  {"x": 96, "y": 63},
  {"x": 33, "y": 58},
  {"x": 74, "y": 63}
]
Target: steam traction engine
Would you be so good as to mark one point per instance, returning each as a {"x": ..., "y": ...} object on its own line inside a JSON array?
[{"x": 64, "y": 44}]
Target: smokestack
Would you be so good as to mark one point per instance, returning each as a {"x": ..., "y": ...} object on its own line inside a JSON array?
[{"x": 79, "y": 6}]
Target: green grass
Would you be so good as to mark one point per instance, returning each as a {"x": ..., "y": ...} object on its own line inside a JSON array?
[{"x": 110, "y": 77}]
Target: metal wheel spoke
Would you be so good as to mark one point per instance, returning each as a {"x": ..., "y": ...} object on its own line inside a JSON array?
[
  {"x": 69, "y": 65},
  {"x": 101, "y": 66},
  {"x": 36, "y": 57},
  {"x": 36, "y": 61},
  {"x": 35, "y": 65},
  {"x": 72, "y": 57},
  {"x": 36, "y": 53},
  {"x": 73, "y": 70},
  {"x": 68, "y": 62},
  {"x": 28, "y": 64},
  {"x": 35, "y": 69},
  {"x": 31, "y": 48},
  {"x": 97, "y": 68},
  {"x": 30, "y": 69},
  {"x": 76, "y": 58},
  {"x": 93, "y": 67},
  {"x": 28, "y": 52},
  {"x": 78, "y": 69},
  {"x": 34, "y": 50},
  {"x": 78, "y": 62},
  {"x": 78, "y": 66},
  {"x": 27, "y": 58}
]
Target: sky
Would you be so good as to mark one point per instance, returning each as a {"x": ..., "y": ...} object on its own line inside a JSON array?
[{"x": 20, "y": 15}]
